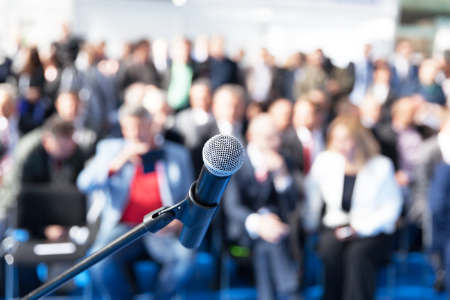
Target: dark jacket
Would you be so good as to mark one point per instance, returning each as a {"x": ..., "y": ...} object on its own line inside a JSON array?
[
  {"x": 439, "y": 201},
  {"x": 246, "y": 195}
]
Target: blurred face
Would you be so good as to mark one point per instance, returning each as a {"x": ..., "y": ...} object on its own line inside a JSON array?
[
  {"x": 342, "y": 142},
  {"x": 67, "y": 106},
  {"x": 58, "y": 147},
  {"x": 142, "y": 53},
  {"x": 428, "y": 71},
  {"x": 136, "y": 129},
  {"x": 216, "y": 47},
  {"x": 382, "y": 76},
  {"x": 446, "y": 127},
  {"x": 181, "y": 51},
  {"x": 403, "y": 116},
  {"x": 227, "y": 107},
  {"x": 200, "y": 97},
  {"x": 404, "y": 49},
  {"x": 33, "y": 94},
  {"x": 305, "y": 115},
  {"x": 281, "y": 113},
  {"x": 7, "y": 107},
  {"x": 265, "y": 136}
]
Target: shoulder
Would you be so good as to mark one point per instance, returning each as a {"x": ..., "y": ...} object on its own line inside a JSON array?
[
  {"x": 328, "y": 157},
  {"x": 109, "y": 145},
  {"x": 174, "y": 149},
  {"x": 380, "y": 164}
]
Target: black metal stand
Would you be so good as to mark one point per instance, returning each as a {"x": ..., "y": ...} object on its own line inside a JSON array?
[{"x": 153, "y": 222}]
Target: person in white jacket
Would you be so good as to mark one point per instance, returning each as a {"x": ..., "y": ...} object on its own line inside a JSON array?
[{"x": 362, "y": 204}]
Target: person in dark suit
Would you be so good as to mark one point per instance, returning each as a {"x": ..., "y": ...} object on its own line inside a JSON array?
[
  {"x": 140, "y": 68},
  {"x": 258, "y": 205},
  {"x": 221, "y": 69},
  {"x": 429, "y": 89},
  {"x": 404, "y": 73},
  {"x": 439, "y": 203},
  {"x": 433, "y": 152},
  {"x": 54, "y": 160},
  {"x": 291, "y": 146}
]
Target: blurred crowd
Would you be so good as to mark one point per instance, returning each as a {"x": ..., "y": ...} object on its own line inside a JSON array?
[{"x": 359, "y": 156}]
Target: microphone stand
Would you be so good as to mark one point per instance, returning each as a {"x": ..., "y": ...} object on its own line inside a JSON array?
[{"x": 152, "y": 222}]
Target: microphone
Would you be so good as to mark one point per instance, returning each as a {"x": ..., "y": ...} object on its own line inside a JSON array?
[{"x": 223, "y": 155}]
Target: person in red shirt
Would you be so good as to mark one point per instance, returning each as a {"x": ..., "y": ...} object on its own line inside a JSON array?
[{"x": 138, "y": 174}]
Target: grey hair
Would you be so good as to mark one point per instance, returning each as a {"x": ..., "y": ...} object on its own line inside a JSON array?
[{"x": 137, "y": 111}]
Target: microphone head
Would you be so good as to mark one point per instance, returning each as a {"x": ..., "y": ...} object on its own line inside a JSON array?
[{"x": 223, "y": 155}]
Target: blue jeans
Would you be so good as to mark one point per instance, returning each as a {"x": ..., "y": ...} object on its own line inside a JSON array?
[{"x": 109, "y": 277}]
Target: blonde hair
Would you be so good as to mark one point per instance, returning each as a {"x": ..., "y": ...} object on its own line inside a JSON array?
[{"x": 365, "y": 143}]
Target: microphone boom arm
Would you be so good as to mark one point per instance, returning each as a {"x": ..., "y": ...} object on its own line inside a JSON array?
[{"x": 152, "y": 222}]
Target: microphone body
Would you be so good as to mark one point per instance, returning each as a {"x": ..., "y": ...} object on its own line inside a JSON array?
[{"x": 222, "y": 157}]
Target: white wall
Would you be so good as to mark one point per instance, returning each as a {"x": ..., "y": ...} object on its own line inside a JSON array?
[{"x": 341, "y": 27}]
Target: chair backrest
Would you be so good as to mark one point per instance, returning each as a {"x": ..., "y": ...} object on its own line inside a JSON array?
[{"x": 39, "y": 206}]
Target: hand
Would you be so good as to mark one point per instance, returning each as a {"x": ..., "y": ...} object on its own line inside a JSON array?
[
  {"x": 271, "y": 228},
  {"x": 274, "y": 161},
  {"x": 402, "y": 178},
  {"x": 131, "y": 152},
  {"x": 345, "y": 233},
  {"x": 54, "y": 232}
]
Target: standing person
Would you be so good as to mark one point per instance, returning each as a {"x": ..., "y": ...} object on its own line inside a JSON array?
[
  {"x": 363, "y": 202},
  {"x": 258, "y": 205},
  {"x": 33, "y": 105},
  {"x": 363, "y": 76},
  {"x": 192, "y": 123},
  {"x": 139, "y": 68},
  {"x": 291, "y": 146},
  {"x": 182, "y": 72},
  {"x": 308, "y": 122},
  {"x": 138, "y": 175},
  {"x": 222, "y": 70},
  {"x": 404, "y": 72}
]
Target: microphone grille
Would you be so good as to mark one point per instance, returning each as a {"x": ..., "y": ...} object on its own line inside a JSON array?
[{"x": 223, "y": 155}]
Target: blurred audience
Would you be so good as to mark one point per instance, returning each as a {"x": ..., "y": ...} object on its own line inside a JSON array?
[
  {"x": 179, "y": 94},
  {"x": 363, "y": 203}
]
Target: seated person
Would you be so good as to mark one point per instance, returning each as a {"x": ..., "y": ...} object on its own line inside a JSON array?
[
  {"x": 439, "y": 197},
  {"x": 138, "y": 173},
  {"x": 362, "y": 201},
  {"x": 9, "y": 134},
  {"x": 258, "y": 205},
  {"x": 54, "y": 161}
]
